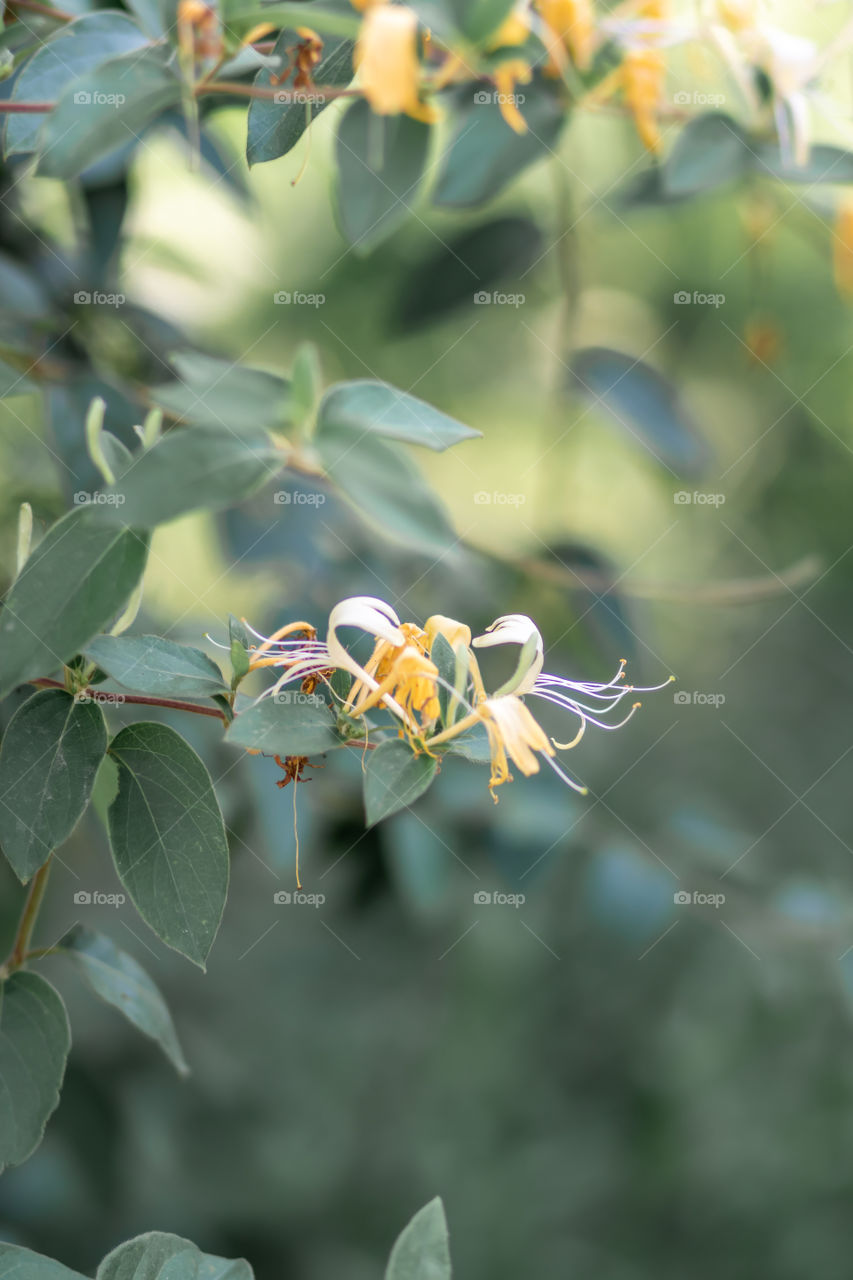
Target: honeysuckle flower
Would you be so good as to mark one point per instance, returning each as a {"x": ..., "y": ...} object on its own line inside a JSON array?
[
  {"x": 572, "y": 24},
  {"x": 401, "y": 677},
  {"x": 506, "y": 76},
  {"x": 386, "y": 57}
]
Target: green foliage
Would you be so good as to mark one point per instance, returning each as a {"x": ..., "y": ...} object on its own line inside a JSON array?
[
  {"x": 422, "y": 1250},
  {"x": 274, "y": 128},
  {"x": 34, "y": 1042},
  {"x": 49, "y": 757},
  {"x": 75, "y": 581},
  {"x": 364, "y": 406},
  {"x": 168, "y": 837},
  {"x": 394, "y": 779},
  {"x": 381, "y": 162},
  {"x": 150, "y": 664},
  {"x": 289, "y": 723},
  {"x": 117, "y": 978}
]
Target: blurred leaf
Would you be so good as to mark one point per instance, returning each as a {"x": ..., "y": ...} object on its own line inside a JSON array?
[
  {"x": 825, "y": 164},
  {"x": 158, "y": 1256},
  {"x": 502, "y": 249},
  {"x": 289, "y": 723},
  {"x": 381, "y": 162},
  {"x": 472, "y": 745},
  {"x": 117, "y": 978},
  {"x": 189, "y": 468},
  {"x": 485, "y": 154},
  {"x": 75, "y": 581},
  {"x": 12, "y": 381},
  {"x": 49, "y": 757},
  {"x": 328, "y": 21},
  {"x": 168, "y": 837},
  {"x": 150, "y": 664},
  {"x": 422, "y": 1250},
  {"x": 221, "y": 393},
  {"x": 17, "y": 1263},
  {"x": 478, "y": 19},
  {"x": 365, "y": 406},
  {"x": 274, "y": 128},
  {"x": 394, "y": 777},
  {"x": 710, "y": 151},
  {"x": 34, "y": 1043},
  {"x": 386, "y": 488},
  {"x": 72, "y": 51},
  {"x": 150, "y": 16},
  {"x": 105, "y": 109},
  {"x": 306, "y": 382},
  {"x": 643, "y": 402}
]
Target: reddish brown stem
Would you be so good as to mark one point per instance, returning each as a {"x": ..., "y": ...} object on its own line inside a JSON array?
[{"x": 118, "y": 699}]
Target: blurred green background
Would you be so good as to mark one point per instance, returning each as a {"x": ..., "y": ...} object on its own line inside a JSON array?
[{"x": 602, "y": 1081}]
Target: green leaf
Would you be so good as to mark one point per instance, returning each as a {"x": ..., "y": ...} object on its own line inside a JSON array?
[
  {"x": 478, "y": 19},
  {"x": 162, "y": 668},
  {"x": 825, "y": 164},
  {"x": 422, "y": 1250},
  {"x": 220, "y": 393},
  {"x": 189, "y": 468},
  {"x": 709, "y": 152},
  {"x": 49, "y": 757},
  {"x": 17, "y": 1263},
  {"x": 241, "y": 15},
  {"x": 306, "y": 382},
  {"x": 394, "y": 778},
  {"x": 485, "y": 154},
  {"x": 13, "y": 382},
  {"x": 105, "y": 109},
  {"x": 288, "y": 723},
  {"x": 72, "y": 51},
  {"x": 639, "y": 399},
  {"x": 158, "y": 1256},
  {"x": 381, "y": 161},
  {"x": 387, "y": 489},
  {"x": 472, "y": 745},
  {"x": 368, "y": 406},
  {"x": 117, "y": 978},
  {"x": 274, "y": 128},
  {"x": 34, "y": 1043},
  {"x": 168, "y": 837},
  {"x": 75, "y": 581}
]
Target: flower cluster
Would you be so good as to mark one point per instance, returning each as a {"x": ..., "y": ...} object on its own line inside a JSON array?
[{"x": 428, "y": 681}]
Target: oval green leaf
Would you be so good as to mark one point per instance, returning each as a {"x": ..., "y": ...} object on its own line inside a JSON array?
[
  {"x": 117, "y": 978},
  {"x": 422, "y": 1250},
  {"x": 34, "y": 1043},
  {"x": 381, "y": 161},
  {"x": 168, "y": 837},
  {"x": 368, "y": 406},
  {"x": 158, "y": 1256},
  {"x": 76, "y": 580},
  {"x": 394, "y": 779},
  {"x": 49, "y": 757},
  {"x": 289, "y": 723},
  {"x": 162, "y": 668}
]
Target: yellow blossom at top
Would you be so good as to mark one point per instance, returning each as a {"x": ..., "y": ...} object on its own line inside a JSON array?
[
  {"x": 572, "y": 22},
  {"x": 386, "y": 57}
]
